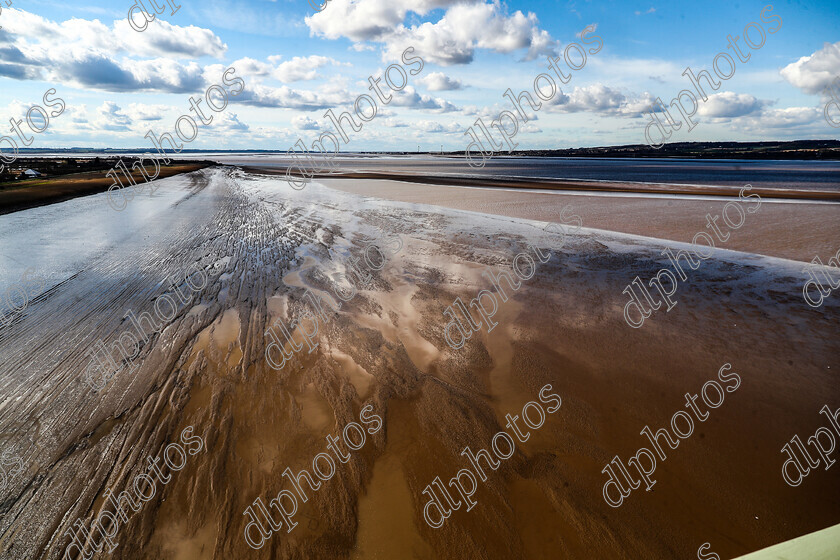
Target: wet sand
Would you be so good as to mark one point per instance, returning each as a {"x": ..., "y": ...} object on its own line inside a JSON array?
[
  {"x": 810, "y": 227},
  {"x": 526, "y": 184},
  {"x": 253, "y": 236}
]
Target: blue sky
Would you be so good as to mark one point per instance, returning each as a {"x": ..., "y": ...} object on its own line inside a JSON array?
[{"x": 297, "y": 63}]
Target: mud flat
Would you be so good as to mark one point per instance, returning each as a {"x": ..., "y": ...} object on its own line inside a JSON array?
[
  {"x": 259, "y": 242},
  {"x": 810, "y": 228}
]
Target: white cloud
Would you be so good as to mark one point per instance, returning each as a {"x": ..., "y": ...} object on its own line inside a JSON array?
[
  {"x": 253, "y": 68},
  {"x": 302, "y": 68},
  {"x": 82, "y": 53},
  {"x": 297, "y": 69},
  {"x": 227, "y": 122},
  {"x": 464, "y": 27},
  {"x": 787, "y": 118},
  {"x": 813, "y": 73},
  {"x": 790, "y": 123},
  {"x": 394, "y": 123},
  {"x": 264, "y": 96},
  {"x": 362, "y": 47},
  {"x": 728, "y": 104},
  {"x": 438, "y": 81},
  {"x": 38, "y": 36},
  {"x": 302, "y": 122},
  {"x": 790, "y": 116},
  {"x": 436, "y": 127},
  {"x": 598, "y": 98},
  {"x": 409, "y": 98},
  {"x": 144, "y": 112},
  {"x": 110, "y": 117},
  {"x": 529, "y": 128},
  {"x": 363, "y": 20},
  {"x": 164, "y": 39}
]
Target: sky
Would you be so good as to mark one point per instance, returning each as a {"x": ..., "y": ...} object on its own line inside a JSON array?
[{"x": 297, "y": 63}]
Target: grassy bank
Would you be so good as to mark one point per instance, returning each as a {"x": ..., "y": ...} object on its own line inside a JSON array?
[{"x": 23, "y": 194}]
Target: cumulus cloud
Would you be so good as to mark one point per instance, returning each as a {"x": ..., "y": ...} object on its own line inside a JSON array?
[
  {"x": 332, "y": 95},
  {"x": 394, "y": 123},
  {"x": 491, "y": 112},
  {"x": 409, "y": 98},
  {"x": 253, "y": 68},
  {"x": 728, "y": 104},
  {"x": 264, "y": 96},
  {"x": 338, "y": 99},
  {"x": 530, "y": 128},
  {"x": 438, "y": 81},
  {"x": 790, "y": 117},
  {"x": 436, "y": 127},
  {"x": 19, "y": 72},
  {"x": 601, "y": 99},
  {"x": 99, "y": 72},
  {"x": 813, "y": 73},
  {"x": 20, "y": 109},
  {"x": 364, "y": 20},
  {"x": 301, "y": 67},
  {"x": 144, "y": 112},
  {"x": 789, "y": 122},
  {"x": 167, "y": 40},
  {"x": 302, "y": 122},
  {"x": 110, "y": 117},
  {"x": 297, "y": 69},
  {"x": 36, "y": 35},
  {"x": 82, "y": 53},
  {"x": 362, "y": 47},
  {"x": 227, "y": 122},
  {"x": 464, "y": 27},
  {"x": 596, "y": 98},
  {"x": 637, "y": 105}
]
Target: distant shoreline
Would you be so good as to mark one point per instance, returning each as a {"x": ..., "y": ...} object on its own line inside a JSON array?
[{"x": 807, "y": 150}]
